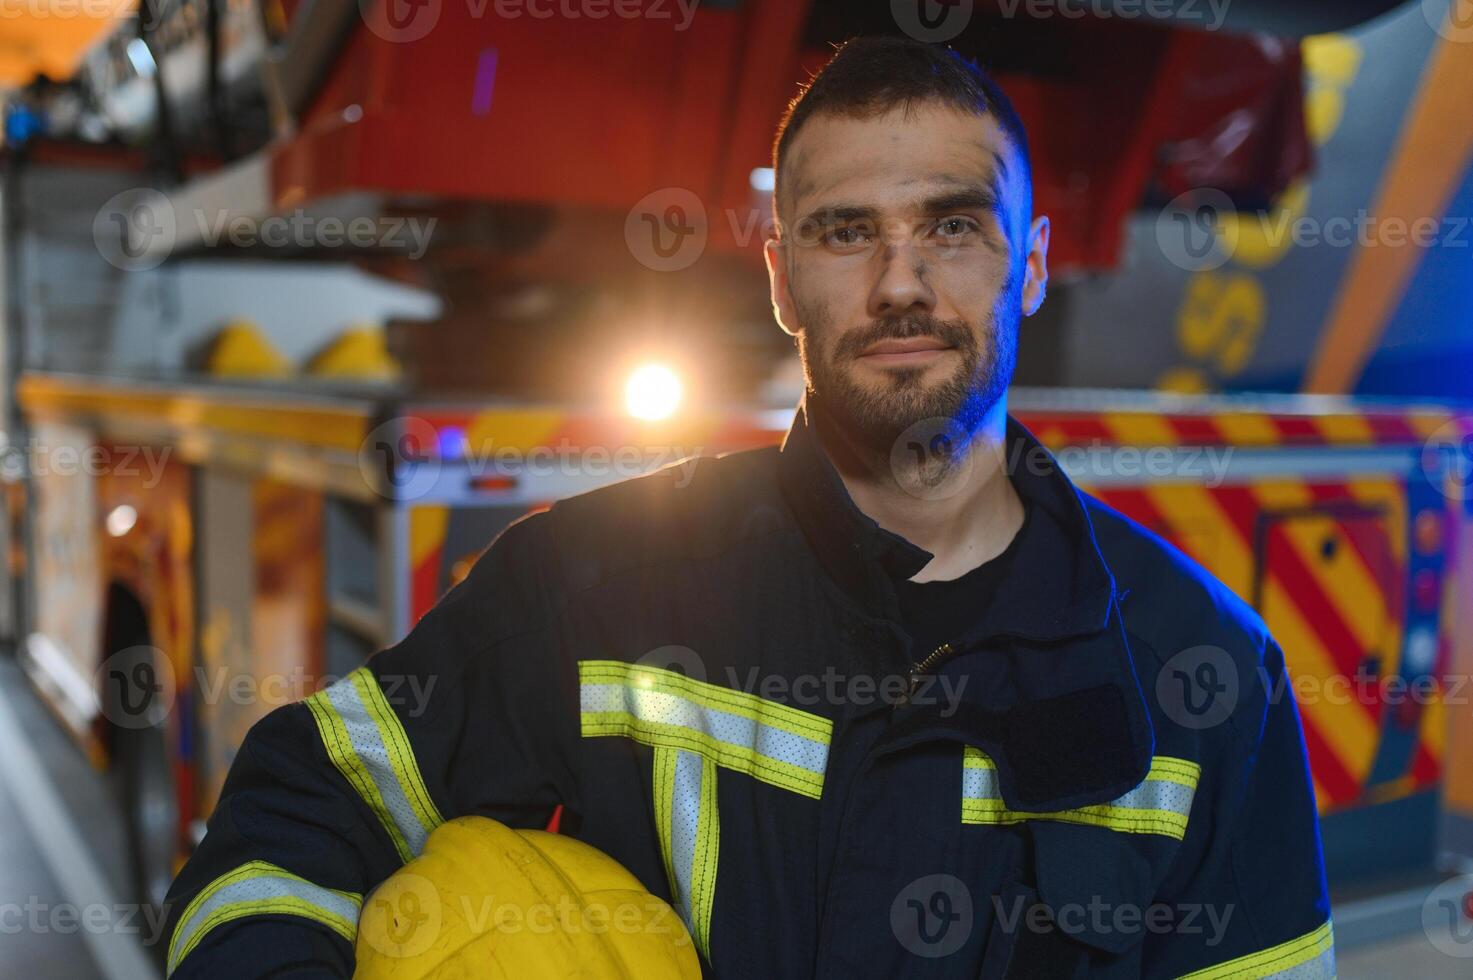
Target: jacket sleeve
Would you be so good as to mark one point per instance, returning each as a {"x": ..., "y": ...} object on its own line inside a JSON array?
[
  {"x": 1259, "y": 907},
  {"x": 473, "y": 712}
]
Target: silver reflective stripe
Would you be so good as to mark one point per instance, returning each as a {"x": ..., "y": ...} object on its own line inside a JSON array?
[
  {"x": 733, "y": 729},
  {"x": 259, "y": 888},
  {"x": 1153, "y": 794},
  {"x": 1161, "y": 804},
  {"x": 368, "y": 744},
  {"x": 685, "y": 820},
  {"x": 689, "y": 827}
]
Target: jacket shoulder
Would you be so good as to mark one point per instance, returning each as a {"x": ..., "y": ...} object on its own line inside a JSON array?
[{"x": 696, "y": 507}]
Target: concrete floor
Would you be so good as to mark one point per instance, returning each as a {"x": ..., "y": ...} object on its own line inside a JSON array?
[
  {"x": 63, "y": 901},
  {"x": 47, "y": 896}
]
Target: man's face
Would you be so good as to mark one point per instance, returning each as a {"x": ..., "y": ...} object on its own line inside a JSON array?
[{"x": 906, "y": 263}]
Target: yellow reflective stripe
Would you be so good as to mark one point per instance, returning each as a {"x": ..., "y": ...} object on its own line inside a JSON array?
[
  {"x": 339, "y": 747},
  {"x": 1179, "y": 771},
  {"x": 772, "y": 742},
  {"x": 367, "y": 744},
  {"x": 261, "y": 888},
  {"x": 1119, "y": 819},
  {"x": 401, "y": 756},
  {"x": 750, "y": 706},
  {"x": 688, "y": 826},
  {"x": 737, "y": 758},
  {"x": 1309, "y": 957},
  {"x": 1153, "y": 807},
  {"x": 664, "y": 792},
  {"x": 703, "y": 864}
]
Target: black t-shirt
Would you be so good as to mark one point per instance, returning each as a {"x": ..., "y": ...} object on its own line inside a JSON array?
[{"x": 937, "y": 612}]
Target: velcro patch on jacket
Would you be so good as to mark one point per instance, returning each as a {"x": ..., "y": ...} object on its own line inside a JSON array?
[
  {"x": 1159, "y": 805},
  {"x": 768, "y": 741}
]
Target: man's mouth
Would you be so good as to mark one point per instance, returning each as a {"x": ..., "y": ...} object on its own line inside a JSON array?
[{"x": 904, "y": 350}]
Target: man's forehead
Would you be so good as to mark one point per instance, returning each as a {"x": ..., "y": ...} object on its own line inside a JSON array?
[{"x": 896, "y": 154}]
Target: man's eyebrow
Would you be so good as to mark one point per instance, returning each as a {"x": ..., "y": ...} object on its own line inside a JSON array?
[
  {"x": 839, "y": 213},
  {"x": 964, "y": 199}
]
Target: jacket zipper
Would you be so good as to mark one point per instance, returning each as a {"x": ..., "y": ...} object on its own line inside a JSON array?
[{"x": 924, "y": 666}]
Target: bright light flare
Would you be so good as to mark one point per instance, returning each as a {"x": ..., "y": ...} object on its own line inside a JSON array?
[
  {"x": 653, "y": 392},
  {"x": 120, "y": 520}
]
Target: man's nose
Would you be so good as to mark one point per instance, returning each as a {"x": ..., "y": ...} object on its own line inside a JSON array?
[{"x": 902, "y": 286}]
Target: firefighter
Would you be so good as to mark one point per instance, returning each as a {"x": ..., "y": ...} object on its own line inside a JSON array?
[{"x": 892, "y": 699}]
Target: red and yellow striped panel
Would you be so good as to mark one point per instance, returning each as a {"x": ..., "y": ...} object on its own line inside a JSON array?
[
  {"x": 1232, "y": 428},
  {"x": 525, "y": 429},
  {"x": 485, "y": 433}
]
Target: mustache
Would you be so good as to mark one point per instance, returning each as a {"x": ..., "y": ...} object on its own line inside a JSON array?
[{"x": 952, "y": 333}]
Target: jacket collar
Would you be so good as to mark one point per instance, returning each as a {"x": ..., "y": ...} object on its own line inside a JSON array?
[{"x": 1062, "y": 586}]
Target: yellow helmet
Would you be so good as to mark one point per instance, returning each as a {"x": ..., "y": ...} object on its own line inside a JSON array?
[{"x": 486, "y": 902}]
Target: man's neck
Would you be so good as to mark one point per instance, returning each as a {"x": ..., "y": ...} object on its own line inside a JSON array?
[{"x": 967, "y": 518}]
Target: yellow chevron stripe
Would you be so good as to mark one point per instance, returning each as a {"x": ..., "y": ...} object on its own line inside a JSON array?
[
  {"x": 1139, "y": 429},
  {"x": 1355, "y": 593},
  {"x": 1347, "y": 729},
  {"x": 1247, "y": 429},
  {"x": 427, "y": 526},
  {"x": 1277, "y": 961},
  {"x": 1352, "y": 429}
]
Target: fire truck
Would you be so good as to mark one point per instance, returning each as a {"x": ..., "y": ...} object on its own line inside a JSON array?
[{"x": 247, "y": 447}]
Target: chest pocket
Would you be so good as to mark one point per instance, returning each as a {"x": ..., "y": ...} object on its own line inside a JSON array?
[
  {"x": 1160, "y": 805},
  {"x": 694, "y": 727},
  {"x": 1091, "y": 866}
]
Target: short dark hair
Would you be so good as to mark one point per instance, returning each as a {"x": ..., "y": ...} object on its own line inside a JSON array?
[{"x": 870, "y": 75}]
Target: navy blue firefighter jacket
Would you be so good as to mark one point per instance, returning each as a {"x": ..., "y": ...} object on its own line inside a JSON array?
[{"x": 706, "y": 670}]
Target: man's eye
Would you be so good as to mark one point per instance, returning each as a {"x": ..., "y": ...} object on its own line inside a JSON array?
[
  {"x": 844, "y": 236},
  {"x": 956, "y": 227}
]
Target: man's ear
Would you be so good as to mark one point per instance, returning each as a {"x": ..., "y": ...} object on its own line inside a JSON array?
[
  {"x": 1035, "y": 272},
  {"x": 775, "y": 252}
]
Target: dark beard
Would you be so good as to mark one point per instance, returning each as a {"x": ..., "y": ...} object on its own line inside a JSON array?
[{"x": 876, "y": 418}]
